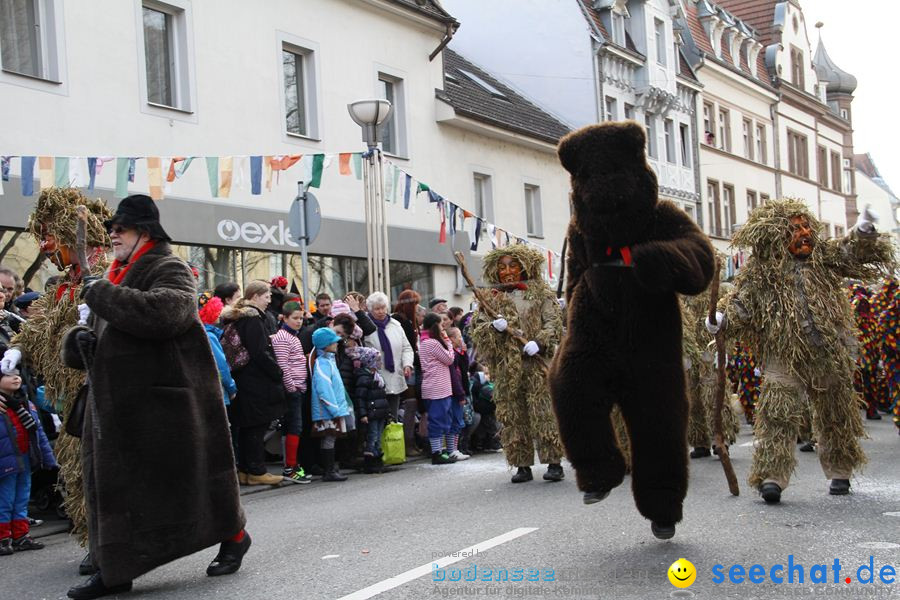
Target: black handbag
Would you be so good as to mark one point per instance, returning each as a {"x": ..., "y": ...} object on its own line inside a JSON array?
[{"x": 75, "y": 421}]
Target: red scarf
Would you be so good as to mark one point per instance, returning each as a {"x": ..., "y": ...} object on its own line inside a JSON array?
[{"x": 118, "y": 269}]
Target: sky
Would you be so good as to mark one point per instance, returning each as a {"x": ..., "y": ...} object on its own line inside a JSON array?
[{"x": 861, "y": 38}]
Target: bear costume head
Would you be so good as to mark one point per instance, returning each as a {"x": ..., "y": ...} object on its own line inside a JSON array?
[{"x": 614, "y": 190}]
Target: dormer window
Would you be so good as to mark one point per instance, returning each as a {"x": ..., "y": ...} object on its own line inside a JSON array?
[
  {"x": 797, "y": 68},
  {"x": 618, "y": 29}
]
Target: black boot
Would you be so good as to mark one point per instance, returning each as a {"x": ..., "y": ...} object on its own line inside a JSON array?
[
  {"x": 839, "y": 487},
  {"x": 331, "y": 470},
  {"x": 368, "y": 464},
  {"x": 87, "y": 566},
  {"x": 662, "y": 531},
  {"x": 808, "y": 447},
  {"x": 229, "y": 558},
  {"x": 95, "y": 588},
  {"x": 700, "y": 452},
  {"x": 770, "y": 492},
  {"x": 595, "y": 497},
  {"x": 554, "y": 472},
  {"x": 522, "y": 475}
]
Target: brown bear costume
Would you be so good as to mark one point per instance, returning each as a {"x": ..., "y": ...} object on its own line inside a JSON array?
[{"x": 629, "y": 256}]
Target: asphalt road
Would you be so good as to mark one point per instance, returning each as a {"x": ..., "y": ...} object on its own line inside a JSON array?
[{"x": 383, "y": 533}]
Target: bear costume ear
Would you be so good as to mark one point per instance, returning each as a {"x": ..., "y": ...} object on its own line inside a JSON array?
[{"x": 602, "y": 143}]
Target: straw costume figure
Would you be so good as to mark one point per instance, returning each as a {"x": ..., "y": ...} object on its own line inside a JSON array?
[
  {"x": 527, "y": 305},
  {"x": 53, "y": 225},
  {"x": 702, "y": 382},
  {"x": 789, "y": 305}
]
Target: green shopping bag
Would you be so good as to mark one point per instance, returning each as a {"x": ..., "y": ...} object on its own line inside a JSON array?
[{"x": 392, "y": 444}]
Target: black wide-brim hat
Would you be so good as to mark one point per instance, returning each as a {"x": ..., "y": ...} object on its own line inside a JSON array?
[{"x": 139, "y": 210}]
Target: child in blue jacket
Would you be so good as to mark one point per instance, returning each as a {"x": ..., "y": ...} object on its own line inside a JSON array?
[
  {"x": 328, "y": 399},
  {"x": 23, "y": 445},
  {"x": 210, "y": 309}
]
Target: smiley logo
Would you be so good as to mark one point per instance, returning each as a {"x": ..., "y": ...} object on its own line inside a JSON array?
[{"x": 682, "y": 573}]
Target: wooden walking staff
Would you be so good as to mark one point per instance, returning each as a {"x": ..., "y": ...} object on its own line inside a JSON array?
[
  {"x": 720, "y": 384},
  {"x": 81, "y": 241},
  {"x": 484, "y": 304}
]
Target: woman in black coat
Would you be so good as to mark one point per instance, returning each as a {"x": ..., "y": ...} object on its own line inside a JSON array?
[
  {"x": 260, "y": 395},
  {"x": 405, "y": 313}
]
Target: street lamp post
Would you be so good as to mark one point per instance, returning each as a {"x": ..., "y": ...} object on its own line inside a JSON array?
[{"x": 370, "y": 114}]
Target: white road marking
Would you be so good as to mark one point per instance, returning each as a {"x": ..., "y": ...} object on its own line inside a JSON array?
[
  {"x": 892, "y": 514},
  {"x": 878, "y": 545},
  {"x": 327, "y": 556},
  {"x": 407, "y": 576}
]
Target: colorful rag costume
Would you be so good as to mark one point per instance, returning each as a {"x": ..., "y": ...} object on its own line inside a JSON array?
[
  {"x": 53, "y": 225},
  {"x": 793, "y": 311},
  {"x": 890, "y": 355},
  {"x": 521, "y": 394},
  {"x": 744, "y": 374},
  {"x": 867, "y": 372}
]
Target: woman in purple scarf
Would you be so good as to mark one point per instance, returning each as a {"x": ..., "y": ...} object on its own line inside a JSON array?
[{"x": 396, "y": 351}]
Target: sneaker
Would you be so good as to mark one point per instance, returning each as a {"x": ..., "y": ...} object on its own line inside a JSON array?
[
  {"x": 441, "y": 458},
  {"x": 26, "y": 542},
  {"x": 295, "y": 475},
  {"x": 6, "y": 547},
  {"x": 458, "y": 455},
  {"x": 32, "y": 522},
  {"x": 264, "y": 479}
]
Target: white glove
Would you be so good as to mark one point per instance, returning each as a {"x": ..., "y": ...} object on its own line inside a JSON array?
[
  {"x": 687, "y": 363},
  {"x": 531, "y": 348},
  {"x": 757, "y": 372},
  {"x": 500, "y": 324},
  {"x": 866, "y": 221},
  {"x": 84, "y": 311},
  {"x": 562, "y": 302},
  {"x": 11, "y": 359},
  {"x": 720, "y": 322}
]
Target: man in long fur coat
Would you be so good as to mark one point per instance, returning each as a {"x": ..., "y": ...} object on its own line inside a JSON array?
[
  {"x": 629, "y": 257},
  {"x": 159, "y": 474}
]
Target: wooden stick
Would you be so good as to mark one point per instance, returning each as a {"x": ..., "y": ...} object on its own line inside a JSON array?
[
  {"x": 81, "y": 240},
  {"x": 720, "y": 385},
  {"x": 484, "y": 304}
]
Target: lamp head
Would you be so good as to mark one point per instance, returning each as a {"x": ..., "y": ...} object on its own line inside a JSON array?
[{"x": 370, "y": 114}]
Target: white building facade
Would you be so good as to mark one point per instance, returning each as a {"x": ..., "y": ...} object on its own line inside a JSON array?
[
  {"x": 594, "y": 60},
  {"x": 231, "y": 79}
]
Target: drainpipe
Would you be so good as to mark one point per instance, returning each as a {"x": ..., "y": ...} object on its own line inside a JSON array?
[
  {"x": 447, "y": 37},
  {"x": 776, "y": 147},
  {"x": 598, "y": 83}
]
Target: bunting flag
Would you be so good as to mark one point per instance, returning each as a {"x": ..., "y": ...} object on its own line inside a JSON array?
[
  {"x": 131, "y": 169},
  {"x": 423, "y": 187},
  {"x": 4, "y": 168},
  {"x": 395, "y": 185},
  {"x": 451, "y": 208},
  {"x": 154, "y": 177},
  {"x": 238, "y": 178},
  {"x": 268, "y": 164},
  {"x": 406, "y": 187},
  {"x": 550, "y": 264},
  {"x": 318, "y": 165},
  {"x": 226, "y": 167},
  {"x": 45, "y": 171},
  {"x": 212, "y": 173},
  {"x": 476, "y": 234},
  {"x": 344, "y": 163},
  {"x": 256, "y": 175},
  {"x": 121, "y": 177},
  {"x": 492, "y": 234},
  {"x": 92, "y": 172},
  {"x": 283, "y": 163},
  {"x": 442, "y": 235},
  {"x": 28, "y": 175},
  {"x": 61, "y": 170},
  {"x": 76, "y": 173},
  {"x": 357, "y": 165}
]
